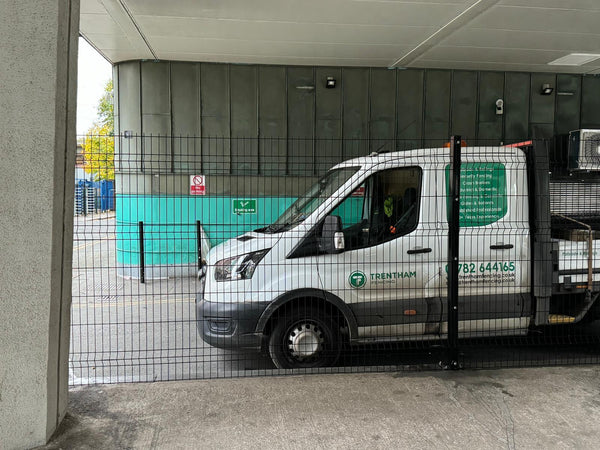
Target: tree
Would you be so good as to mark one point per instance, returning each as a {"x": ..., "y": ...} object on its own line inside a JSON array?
[{"x": 99, "y": 143}]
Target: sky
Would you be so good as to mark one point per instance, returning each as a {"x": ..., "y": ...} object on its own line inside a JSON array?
[{"x": 94, "y": 72}]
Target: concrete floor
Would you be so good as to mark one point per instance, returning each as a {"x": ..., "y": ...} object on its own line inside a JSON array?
[{"x": 555, "y": 407}]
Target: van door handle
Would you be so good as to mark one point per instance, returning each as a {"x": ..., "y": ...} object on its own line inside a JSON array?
[
  {"x": 412, "y": 251},
  {"x": 501, "y": 246}
]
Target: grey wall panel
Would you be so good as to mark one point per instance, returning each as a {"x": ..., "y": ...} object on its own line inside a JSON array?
[
  {"x": 301, "y": 120},
  {"x": 437, "y": 107},
  {"x": 185, "y": 89},
  {"x": 185, "y": 122},
  {"x": 542, "y": 106},
  {"x": 117, "y": 125},
  {"x": 328, "y": 124},
  {"x": 129, "y": 97},
  {"x": 156, "y": 93},
  {"x": 215, "y": 104},
  {"x": 329, "y": 101},
  {"x": 244, "y": 119},
  {"x": 115, "y": 77},
  {"x": 590, "y": 102},
  {"x": 214, "y": 94},
  {"x": 244, "y": 101},
  {"x": 568, "y": 103},
  {"x": 516, "y": 107},
  {"x": 382, "y": 129},
  {"x": 133, "y": 183},
  {"x": 464, "y": 105},
  {"x": 156, "y": 151},
  {"x": 409, "y": 108},
  {"x": 355, "y": 124},
  {"x": 289, "y": 106},
  {"x": 272, "y": 114},
  {"x": 156, "y": 116},
  {"x": 246, "y": 186},
  {"x": 130, "y": 117},
  {"x": 491, "y": 88},
  {"x": 541, "y": 130}
]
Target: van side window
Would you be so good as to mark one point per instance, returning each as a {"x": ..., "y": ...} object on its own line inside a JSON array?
[
  {"x": 384, "y": 207},
  {"x": 395, "y": 204}
]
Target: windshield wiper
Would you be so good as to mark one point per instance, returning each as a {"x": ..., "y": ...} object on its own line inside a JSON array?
[
  {"x": 270, "y": 229},
  {"x": 279, "y": 227},
  {"x": 292, "y": 223}
]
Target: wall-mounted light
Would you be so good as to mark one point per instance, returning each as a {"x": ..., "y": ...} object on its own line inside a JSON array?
[
  {"x": 499, "y": 107},
  {"x": 546, "y": 89},
  {"x": 305, "y": 88},
  {"x": 127, "y": 134},
  {"x": 330, "y": 83}
]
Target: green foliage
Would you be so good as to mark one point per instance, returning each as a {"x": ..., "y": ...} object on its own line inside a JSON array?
[
  {"x": 99, "y": 144},
  {"x": 99, "y": 152},
  {"x": 106, "y": 112}
]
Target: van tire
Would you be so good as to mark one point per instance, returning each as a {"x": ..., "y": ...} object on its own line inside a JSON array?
[{"x": 304, "y": 337}]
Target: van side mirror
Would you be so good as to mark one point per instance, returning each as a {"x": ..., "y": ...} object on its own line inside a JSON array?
[{"x": 332, "y": 238}]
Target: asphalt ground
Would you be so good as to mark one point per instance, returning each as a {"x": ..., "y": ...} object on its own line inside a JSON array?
[{"x": 123, "y": 330}]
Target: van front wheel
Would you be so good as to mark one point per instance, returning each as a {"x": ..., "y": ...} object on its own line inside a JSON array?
[{"x": 304, "y": 338}]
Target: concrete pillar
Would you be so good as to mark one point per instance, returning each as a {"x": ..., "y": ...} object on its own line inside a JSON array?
[{"x": 38, "y": 75}]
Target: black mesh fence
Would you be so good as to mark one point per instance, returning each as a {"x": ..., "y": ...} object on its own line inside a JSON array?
[{"x": 221, "y": 257}]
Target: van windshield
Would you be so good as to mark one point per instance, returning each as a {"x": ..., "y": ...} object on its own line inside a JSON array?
[{"x": 311, "y": 200}]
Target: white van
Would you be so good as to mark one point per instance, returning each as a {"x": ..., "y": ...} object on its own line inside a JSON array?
[{"x": 361, "y": 257}]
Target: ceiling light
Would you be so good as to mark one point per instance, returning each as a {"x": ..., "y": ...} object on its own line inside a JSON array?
[
  {"x": 546, "y": 89},
  {"x": 575, "y": 59}
]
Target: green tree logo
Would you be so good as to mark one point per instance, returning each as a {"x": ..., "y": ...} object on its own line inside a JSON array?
[{"x": 357, "y": 279}]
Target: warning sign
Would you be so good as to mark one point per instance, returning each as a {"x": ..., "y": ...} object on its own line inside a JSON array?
[
  {"x": 197, "y": 185},
  {"x": 359, "y": 192}
]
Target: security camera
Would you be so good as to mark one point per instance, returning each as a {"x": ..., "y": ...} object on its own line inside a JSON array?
[{"x": 499, "y": 106}]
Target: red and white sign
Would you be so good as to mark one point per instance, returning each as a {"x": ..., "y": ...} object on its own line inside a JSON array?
[
  {"x": 197, "y": 185},
  {"x": 359, "y": 192}
]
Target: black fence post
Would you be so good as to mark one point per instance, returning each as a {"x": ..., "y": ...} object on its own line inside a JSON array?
[
  {"x": 142, "y": 265},
  {"x": 84, "y": 200},
  {"x": 453, "y": 250},
  {"x": 199, "y": 240}
]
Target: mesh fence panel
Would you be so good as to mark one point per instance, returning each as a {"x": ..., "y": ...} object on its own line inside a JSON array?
[{"x": 221, "y": 257}]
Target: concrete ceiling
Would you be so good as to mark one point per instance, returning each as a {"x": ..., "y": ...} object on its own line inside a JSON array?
[{"x": 519, "y": 35}]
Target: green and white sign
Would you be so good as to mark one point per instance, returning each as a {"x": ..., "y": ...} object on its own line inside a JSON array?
[
  {"x": 244, "y": 206},
  {"x": 357, "y": 279},
  {"x": 482, "y": 193}
]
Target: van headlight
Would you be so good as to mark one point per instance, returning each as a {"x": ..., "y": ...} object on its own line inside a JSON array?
[{"x": 240, "y": 267}]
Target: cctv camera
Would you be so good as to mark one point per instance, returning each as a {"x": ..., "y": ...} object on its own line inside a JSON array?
[{"x": 499, "y": 106}]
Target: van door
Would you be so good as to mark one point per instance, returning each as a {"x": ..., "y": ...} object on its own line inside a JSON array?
[
  {"x": 388, "y": 270},
  {"x": 494, "y": 261}
]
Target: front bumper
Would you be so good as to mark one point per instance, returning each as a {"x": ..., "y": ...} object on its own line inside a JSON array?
[{"x": 229, "y": 325}]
